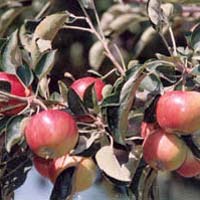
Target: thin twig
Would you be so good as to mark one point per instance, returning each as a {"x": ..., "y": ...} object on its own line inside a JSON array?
[
  {"x": 78, "y": 28},
  {"x": 98, "y": 21},
  {"x": 44, "y": 9},
  {"x": 99, "y": 37},
  {"x": 108, "y": 74},
  {"x": 120, "y": 56},
  {"x": 165, "y": 43},
  {"x": 173, "y": 41}
]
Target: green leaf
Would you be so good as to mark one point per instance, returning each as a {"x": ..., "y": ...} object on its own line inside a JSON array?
[
  {"x": 44, "y": 34},
  {"x": 195, "y": 38},
  {"x": 63, "y": 90},
  {"x": 16, "y": 169},
  {"x": 108, "y": 163},
  {"x": 45, "y": 64},
  {"x": 11, "y": 55},
  {"x": 3, "y": 123},
  {"x": 89, "y": 4},
  {"x": 75, "y": 103},
  {"x": 5, "y": 86},
  {"x": 113, "y": 98},
  {"x": 90, "y": 99},
  {"x": 7, "y": 18},
  {"x": 196, "y": 70},
  {"x": 63, "y": 186},
  {"x": 156, "y": 14},
  {"x": 151, "y": 83},
  {"x": 2, "y": 42},
  {"x": 97, "y": 55},
  {"x": 126, "y": 100},
  {"x": 14, "y": 132},
  {"x": 25, "y": 74}
]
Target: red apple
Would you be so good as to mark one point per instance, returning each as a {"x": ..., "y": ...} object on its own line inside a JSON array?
[
  {"x": 13, "y": 106},
  {"x": 84, "y": 175},
  {"x": 179, "y": 111},
  {"x": 164, "y": 151},
  {"x": 51, "y": 133},
  {"x": 82, "y": 84},
  {"x": 190, "y": 167},
  {"x": 42, "y": 165},
  {"x": 148, "y": 128}
]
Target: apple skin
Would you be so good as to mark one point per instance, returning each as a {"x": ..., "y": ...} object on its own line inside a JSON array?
[
  {"x": 18, "y": 89},
  {"x": 164, "y": 151},
  {"x": 148, "y": 128},
  {"x": 42, "y": 165},
  {"x": 80, "y": 86},
  {"x": 190, "y": 167},
  {"x": 85, "y": 173},
  {"x": 179, "y": 111},
  {"x": 51, "y": 133}
]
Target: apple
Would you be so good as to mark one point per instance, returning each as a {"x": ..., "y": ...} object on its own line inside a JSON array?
[
  {"x": 164, "y": 151},
  {"x": 179, "y": 111},
  {"x": 148, "y": 128},
  {"x": 51, "y": 133},
  {"x": 42, "y": 165},
  {"x": 13, "y": 106},
  {"x": 80, "y": 86},
  {"x": 84, "y": 175},
  {"x": 190, "y": 167}
]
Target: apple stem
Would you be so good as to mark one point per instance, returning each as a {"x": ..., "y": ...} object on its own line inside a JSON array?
[{"x": 29, "y": 100}]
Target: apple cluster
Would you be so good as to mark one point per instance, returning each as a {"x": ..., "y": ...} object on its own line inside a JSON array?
[
  {"x": 53, "y": 134},
  {"x": 177, "y": 114}
]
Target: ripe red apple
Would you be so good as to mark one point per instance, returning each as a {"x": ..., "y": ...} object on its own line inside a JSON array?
[
  {"x": 13, "y": 106},
  {"x": 42, "y": 165},
  {"x": 84, "y": 175},
  {"x": 80, "y": 85},
  {"x": 190, "y": 167},
  {"x": 164, "y": 151},
  {"x": 179, "y": 111},
  {"x": 148, "y": 128},
  {"x": 51, "y": 133}
]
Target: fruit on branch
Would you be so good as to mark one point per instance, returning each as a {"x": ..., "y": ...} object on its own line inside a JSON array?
[
  {"x": 42, "y": 165},
  {"x": 12, "y": 106},
  {"x": 84, "y": 175},
  {"x": 179, "y": 111},
  {"x": 190, "y": 167},
  {"x": 164, "y": 151},
  {"x": 148, "y": 128},
  {"x": 51, "y": 133},
  {"x": 80, "y": 86}
]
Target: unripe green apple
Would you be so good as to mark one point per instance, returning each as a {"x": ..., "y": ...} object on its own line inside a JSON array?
[
  {"x": 84, "y": 175},
  {"x": 190, "y": 167},
  {"x": 17, "y": 89},
  {"x": 80, "y": 86},
  {"x": 179, "y": 111},
  {"x": 164, "y": 151},
  {"x": 51, "y": 133}
]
